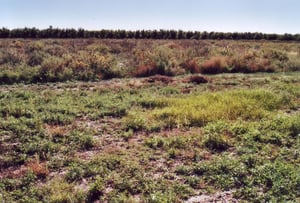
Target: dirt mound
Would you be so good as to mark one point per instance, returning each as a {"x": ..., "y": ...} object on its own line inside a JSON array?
[
  {"x": 159, "y": 78},
  {"x": 197, "y": 79}
]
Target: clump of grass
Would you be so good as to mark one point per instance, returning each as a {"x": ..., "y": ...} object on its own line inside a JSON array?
[
  {"x": 216, "y": 136},
  {"x": 177, "y": 142},
  {"x": 58, "y": 190},
  {"x": 134, "y": 122},
  {"x": 198, "y": 110}
]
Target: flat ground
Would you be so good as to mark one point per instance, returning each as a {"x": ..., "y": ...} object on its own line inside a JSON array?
[{"x": 232, "y": 138}]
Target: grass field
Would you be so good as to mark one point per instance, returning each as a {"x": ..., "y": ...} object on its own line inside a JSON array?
[{"x": 185, "y": 138}]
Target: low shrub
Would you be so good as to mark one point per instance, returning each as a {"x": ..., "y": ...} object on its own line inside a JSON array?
[
  {"x": 52, "y": 69},
  {"x": 252, "y": 65},
  {"x": 215, "y": 65},
  {"x": 216, "y": 142},
  {"x": 191, "y": 66},
  {"x": 169, "y": 143},
  {"x": 35, "y": 58},
  {"x": 216, "y": 136},
  {"x": 134, "y": 122},
  {"x": 9, "y": 77},
  {"x": 11, "y": 56},
  {"x": 293, "y": 64},
  {"x": 146, "y": 70},
  {"x": 104, "y": 66},
  {"x": 58, "y": 190},
  {"x": 96, "y": 189},
  {"x": 38, "y": 169}
]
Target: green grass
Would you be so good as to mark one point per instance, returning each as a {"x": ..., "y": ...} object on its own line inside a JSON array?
[
  {"x": 135, "y": 141},
  {"x": 198, "y": 110}
]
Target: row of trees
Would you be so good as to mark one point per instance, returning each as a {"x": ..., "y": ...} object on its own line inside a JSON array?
[{"x": 140, "y": 34}]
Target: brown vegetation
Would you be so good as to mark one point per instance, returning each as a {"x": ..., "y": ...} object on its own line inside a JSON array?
[
  {"x": 38, "y": 169},
  {"x": 191, "y": 66},
  {"x": 55, "y": 60},
  {"x": 215, "y": 65}
]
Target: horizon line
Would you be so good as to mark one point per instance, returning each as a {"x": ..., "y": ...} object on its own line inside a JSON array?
[{"x": 143, "y": 29}]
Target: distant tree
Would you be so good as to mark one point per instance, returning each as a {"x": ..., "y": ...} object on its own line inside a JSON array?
[
  {"x": 164, "y": 34},
  {"x": 154, "y": 34},
  {"x": 204, "y": 35},
  {"x": 196, "y": 35},
  {"x": 211, "y": 35},
  {"x": 130, "y": 34},
  {"x": 189, "y": 34},
  {"x": 172, "y": 34},
  {"x": 137, "y": 34},
  {"x": 287, "y": 37},
  {"x": 4, "y": 32},
  {"x": 181, "y": 34},
  {"x": 110, "y": 34},
  {"x": 17, "y": 33},
  {"x": 123, "y": 34},
  {"x": 297, "y": 37},
  {"x": 80, "y": 33},
  {"x": 257, "y": 35},
  {"x": 271, "y": 36}
]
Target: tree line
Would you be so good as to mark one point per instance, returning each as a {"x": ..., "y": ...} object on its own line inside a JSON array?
[{"x": 140, "y": 34}]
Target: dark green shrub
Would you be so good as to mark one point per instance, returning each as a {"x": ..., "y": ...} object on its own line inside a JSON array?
[
  {"x": 96, "y": 189},
  {"x": 295, "y": 126},
  {"x": 9, "y": 77},
  {"x": 215, "y": 136},
  {"x": 216, "y": 142},
  {"x": 75, "y": 173}
]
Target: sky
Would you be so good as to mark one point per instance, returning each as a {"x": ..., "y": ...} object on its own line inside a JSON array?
[{"x": 267, "y": 16}]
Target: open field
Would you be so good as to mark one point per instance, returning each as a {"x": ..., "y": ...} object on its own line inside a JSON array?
[
  {"x": 157, "y": 139},
  {"x": 90, "y": 120}
]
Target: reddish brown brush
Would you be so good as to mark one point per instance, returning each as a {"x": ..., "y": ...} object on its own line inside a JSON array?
[
  {"x": 146, "y": 70},
  {"x": 215, "y": 65},
  {"x": 191, "y": 66},
  {"x": 39, "y": 169}
]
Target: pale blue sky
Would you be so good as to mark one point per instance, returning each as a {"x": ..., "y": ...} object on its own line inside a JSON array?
[{"x": 268, "y": 16}]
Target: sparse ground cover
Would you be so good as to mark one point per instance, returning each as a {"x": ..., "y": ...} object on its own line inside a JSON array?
[{"x": 228, "y": 137}]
